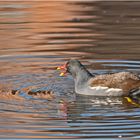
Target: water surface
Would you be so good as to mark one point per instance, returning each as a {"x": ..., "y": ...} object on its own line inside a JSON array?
[{"x": 35, "y": 38}]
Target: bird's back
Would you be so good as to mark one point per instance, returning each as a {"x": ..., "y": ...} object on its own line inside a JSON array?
[{"x": 122, "y": 80}]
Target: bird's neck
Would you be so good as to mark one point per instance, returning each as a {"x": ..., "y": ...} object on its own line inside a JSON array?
[{"x": 82, "y": 76}]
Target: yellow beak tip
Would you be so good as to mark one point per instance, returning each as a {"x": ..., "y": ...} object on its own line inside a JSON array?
[
  {"x": 58, "y": 68},
  {"x": 61, "y": 74}
]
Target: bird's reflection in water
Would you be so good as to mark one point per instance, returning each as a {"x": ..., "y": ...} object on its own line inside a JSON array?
[{"x": 91, "y": 107}]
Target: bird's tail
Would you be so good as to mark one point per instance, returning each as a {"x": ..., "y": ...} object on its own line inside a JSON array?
[
  {"x": 134, "y": 96},
  {"x": 135, "y": 93}
]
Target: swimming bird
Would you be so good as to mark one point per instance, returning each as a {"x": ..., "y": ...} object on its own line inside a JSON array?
[{"x": 116, "y": 84}]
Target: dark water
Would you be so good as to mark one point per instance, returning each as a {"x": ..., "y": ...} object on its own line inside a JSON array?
[{"x": 35, "y": 38}]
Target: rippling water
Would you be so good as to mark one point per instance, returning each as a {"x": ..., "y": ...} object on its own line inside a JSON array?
[{"x": 35, "y": 38}]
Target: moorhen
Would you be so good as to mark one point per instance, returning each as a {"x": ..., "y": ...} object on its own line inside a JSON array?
[{"x": 116, "y": 84}]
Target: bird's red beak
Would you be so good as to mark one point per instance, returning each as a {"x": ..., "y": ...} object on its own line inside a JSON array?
[{"x": 64, "y": 68}]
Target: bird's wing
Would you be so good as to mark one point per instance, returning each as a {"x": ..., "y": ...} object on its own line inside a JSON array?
[{"x": 123, "y": 80}]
